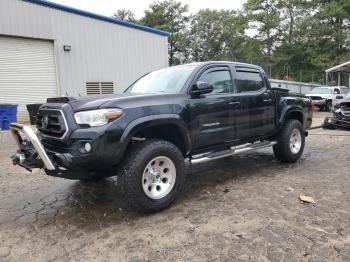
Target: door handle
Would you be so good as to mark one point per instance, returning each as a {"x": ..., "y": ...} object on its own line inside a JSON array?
[
  {"x": 235, "y": 103},
  {"x": 267, "y": 101}
]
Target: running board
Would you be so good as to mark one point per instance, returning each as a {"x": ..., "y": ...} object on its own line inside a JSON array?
[{"x": 235, "y": 150}]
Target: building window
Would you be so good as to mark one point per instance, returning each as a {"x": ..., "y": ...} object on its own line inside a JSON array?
[{"x": 99, "y": 88}]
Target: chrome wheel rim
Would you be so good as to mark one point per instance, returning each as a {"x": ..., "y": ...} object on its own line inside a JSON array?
[
  {"x": 159, "y": 177},
  {"x": 295, "y": 141}
]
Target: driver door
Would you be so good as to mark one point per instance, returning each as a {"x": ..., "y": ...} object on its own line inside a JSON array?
[{"x": 211, "y": 114}]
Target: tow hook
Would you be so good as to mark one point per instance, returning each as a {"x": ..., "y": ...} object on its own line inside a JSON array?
[{"x": 18, "y": 159}]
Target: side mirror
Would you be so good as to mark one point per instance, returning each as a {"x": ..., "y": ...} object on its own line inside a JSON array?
[
  {"x": 339, "y": 97},
  {"x": 201, "y": 88}
]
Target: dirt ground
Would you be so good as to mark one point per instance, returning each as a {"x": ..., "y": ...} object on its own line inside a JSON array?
[{"x": 242, "y": 208}]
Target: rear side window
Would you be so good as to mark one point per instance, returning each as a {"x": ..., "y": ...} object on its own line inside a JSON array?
[
  {"x": 220, "y": 79},
  {"x": 249, "y": 81}
]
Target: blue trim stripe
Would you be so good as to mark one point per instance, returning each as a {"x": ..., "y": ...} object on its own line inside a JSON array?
[{"x": 98, "y": 17}]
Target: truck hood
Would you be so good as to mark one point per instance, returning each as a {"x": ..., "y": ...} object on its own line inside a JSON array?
[
  {"x": 342, "y": 103},
  {"x": 123, "y": 101},
  {"x": 324, "y": 96}
]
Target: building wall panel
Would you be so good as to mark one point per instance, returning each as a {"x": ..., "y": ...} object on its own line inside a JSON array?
[{"x": 100, "y": 51}]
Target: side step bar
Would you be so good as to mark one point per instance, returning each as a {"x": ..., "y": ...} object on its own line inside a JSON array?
[{"x": 235, "y": 150}]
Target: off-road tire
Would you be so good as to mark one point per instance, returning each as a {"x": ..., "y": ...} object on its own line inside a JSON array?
[
  {"x": 282, "y": 149},
  {"x": 328, "y": 106},
  {"x": 130, "y": 174}
]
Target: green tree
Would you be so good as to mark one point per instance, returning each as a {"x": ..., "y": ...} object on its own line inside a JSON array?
[
  {"x": 292, "y": 15},
  {"x": 331, "y": 29},
  {"x": 125, "y": 14},
  {"x": 170, "y": 16},
  {"x": 297, "y": 39},
  {"x": 291, "y": 53},
  {"x": 265, "y": 18},
  {"x": 220, "y": 35},
  {"x": 208, "y": 35},
  {"x": 321, "y": 39}
]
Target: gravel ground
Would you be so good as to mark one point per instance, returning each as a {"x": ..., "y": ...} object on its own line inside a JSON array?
[{"x": 242, "y": 208}]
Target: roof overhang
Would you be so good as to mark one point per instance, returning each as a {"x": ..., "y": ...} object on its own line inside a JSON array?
[
  {"x": 345, "y": 67},
  {"x": 98, "y": 17}
]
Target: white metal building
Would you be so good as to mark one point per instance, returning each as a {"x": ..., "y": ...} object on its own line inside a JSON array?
[{"x": 49, "y": 50}]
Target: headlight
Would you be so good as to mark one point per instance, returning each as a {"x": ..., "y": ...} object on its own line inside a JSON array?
[{"x": 98, "y": 117}]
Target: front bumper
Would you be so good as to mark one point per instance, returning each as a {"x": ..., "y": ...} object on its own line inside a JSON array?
[
  {"x": 69, "y": 161},
  {"x": 334, "y": 122},
  {"x": 319, "y": 103}
]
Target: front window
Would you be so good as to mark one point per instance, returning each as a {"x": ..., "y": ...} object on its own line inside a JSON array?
[
  {"x": 321, "y": 90},
  {"x": 219, "y": 79},
  {"x": 169, "y": 80}
]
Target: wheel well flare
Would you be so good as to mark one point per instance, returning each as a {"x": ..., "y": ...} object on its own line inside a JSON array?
[{"x": 167, "y": 132}]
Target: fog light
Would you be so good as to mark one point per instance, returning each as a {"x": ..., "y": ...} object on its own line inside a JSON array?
[{"x": 87, "y": 147}]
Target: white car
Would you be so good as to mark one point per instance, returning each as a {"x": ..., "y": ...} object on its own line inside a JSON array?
[{"x": 323, "y": 97}]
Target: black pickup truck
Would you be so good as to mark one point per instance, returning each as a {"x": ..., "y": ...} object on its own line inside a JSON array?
[{"x": 199, "y": 112}]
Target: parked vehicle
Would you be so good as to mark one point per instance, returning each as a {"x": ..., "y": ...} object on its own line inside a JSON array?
[
  {"x": 341, "y": 114},
  {"x": 200, "y": 112},
  {"x": 323, "y": 97}
]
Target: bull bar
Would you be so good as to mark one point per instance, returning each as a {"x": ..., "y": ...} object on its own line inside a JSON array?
[{"x": 16, "y": 129}]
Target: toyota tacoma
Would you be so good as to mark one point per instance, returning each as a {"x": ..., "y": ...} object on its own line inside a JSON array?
[{"x": 196, "y": 112}]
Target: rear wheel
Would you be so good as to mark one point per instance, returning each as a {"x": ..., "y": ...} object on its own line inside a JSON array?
[
  {"x": 290, "y": 142},
  {"x": 152, "y": 175}
]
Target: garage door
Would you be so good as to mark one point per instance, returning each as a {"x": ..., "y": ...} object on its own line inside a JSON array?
[{"x": 27, "y": 73}]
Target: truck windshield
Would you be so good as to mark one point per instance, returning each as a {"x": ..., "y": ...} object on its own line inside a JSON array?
[
  {"x": 169, "y": 80},
  {"x": 321, "y": 90}
]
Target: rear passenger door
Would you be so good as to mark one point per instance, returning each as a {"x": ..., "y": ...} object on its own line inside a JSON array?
[{"x": 257, "y": 104}]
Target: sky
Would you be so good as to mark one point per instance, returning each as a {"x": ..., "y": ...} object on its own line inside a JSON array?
[{"x": 108, "y": 7}]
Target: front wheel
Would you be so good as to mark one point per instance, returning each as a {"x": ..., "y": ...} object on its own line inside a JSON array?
[
  {"x": 290, "y": 142},
  {"x": 152, "y": 175}
]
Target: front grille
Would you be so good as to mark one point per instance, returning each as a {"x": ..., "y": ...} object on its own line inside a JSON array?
[
  {"x": 50, "y": 122},
  {"x": 346, "y": 112},
  {"x": 55, "y": 146},
  {"x": 316, "y": 98}
]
